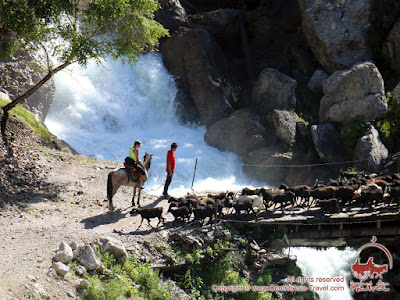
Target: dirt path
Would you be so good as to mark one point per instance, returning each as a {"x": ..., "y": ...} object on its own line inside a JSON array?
[{"x": 32, "y": 231}]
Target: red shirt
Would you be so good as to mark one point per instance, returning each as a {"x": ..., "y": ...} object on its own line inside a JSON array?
[{"x": 171, "y": 159}]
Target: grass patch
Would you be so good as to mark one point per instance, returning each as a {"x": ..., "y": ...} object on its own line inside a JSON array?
[
  {"x": 131, "y": 280},
  {"x": 28, "y": 118},
  {"x": 351, "y": 132}
]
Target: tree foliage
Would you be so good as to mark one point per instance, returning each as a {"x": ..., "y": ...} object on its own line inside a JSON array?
[{"x": 70, "y": 31}]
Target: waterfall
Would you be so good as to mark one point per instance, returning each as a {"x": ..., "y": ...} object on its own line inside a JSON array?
[
  {"x": 326, "y": 263},
  {"x": 102, "y": 109}
]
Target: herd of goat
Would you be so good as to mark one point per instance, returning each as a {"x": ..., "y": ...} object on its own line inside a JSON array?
[{"x": 347, "y": 191}]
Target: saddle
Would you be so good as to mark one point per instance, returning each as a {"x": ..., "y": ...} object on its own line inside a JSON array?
[{"x": 133, "y": 174}]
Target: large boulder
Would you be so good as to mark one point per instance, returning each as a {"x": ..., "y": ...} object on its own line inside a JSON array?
[
  {"x": 336, "y": 31},
  {"x": 193, "y": 56},
  {"x": 391, "y": 47},
  {"x": 273, "y": 89},
  {"x": 357, "y": 93},
  {"x": 171, "y": 14},
  {"x": 114, "y": 247},
  {"x": 240, "y": 133},
  {"x": 221, "y": 22},
  {"x": 396, "y": 94},
  {"x": 22, "y": 71},
  {"x": 265, "y": 165},
  {"x": 316, "y": 81},
  {"x": 326, "y": 138},
  {"x": 64, "y": 253},
  {"x": 88, "y": 258},
  {"x": 371, "y": 151},
  {"x": 283, "y": 123}
]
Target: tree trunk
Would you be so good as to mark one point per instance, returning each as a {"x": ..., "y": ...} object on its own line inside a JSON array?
[{"x": 29, "y": 92}]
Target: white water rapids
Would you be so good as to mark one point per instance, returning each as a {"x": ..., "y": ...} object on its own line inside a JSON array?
[{"x": 101, "y": 110}]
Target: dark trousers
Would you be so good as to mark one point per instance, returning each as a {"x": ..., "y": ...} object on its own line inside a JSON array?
[{"x": 167, "y": 183}]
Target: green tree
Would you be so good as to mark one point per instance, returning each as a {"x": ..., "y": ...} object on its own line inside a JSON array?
[{"x": 73, "y": 31}]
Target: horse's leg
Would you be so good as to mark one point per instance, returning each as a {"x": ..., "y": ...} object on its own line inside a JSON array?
[
  {"x": 134, "y": 194},
  {"x": 112, "y": 188},
  {"x": 140, "y": 191}
]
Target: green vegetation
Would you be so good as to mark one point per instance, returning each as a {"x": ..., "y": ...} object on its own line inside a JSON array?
[
  {"x": 122, "y": 282},
  {"x": 389, "y": 127},
  {"x": 77, "y": 31},
  {"x": 216, "y": 266},
  {"x": 28, "y": 118},
  {"x": 351, "y": 132}
]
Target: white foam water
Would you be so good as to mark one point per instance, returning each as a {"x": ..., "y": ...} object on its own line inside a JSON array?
[
  {"x": 326, "y": 263},
  {"x": 101, "y": 110}
]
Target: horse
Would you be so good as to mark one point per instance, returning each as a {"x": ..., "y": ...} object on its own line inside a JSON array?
[{"x": 121, "y": 176}]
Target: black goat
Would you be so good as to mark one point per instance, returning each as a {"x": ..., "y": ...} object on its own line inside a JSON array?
[
  {"x": 329, "y": 206},
  {"x": 245, "y": 205},
  {"x": 149, "y": 213},
  {"x": 283, "y": 199},
  {"x": 202, "y": 212},
  {"x": 182, "y": 213}
]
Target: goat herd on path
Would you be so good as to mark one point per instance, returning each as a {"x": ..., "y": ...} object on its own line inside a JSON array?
[{"x": 348, "y": 191}]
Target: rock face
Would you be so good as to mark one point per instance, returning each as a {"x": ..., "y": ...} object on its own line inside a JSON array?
[
  {"x": 193, "y": 56},
  {"x": 171, "y": 14},
  {"x": 357, "y": 93},
  {"x": 221, "y": 22},
  {"x": 326, "y": 139},
  {"x": 283, "y": 123},
  {"x": 391, "y": 47},
  {"x": 18, "y": 74},
  {"x": 336, "y": 31},
  {"x": 316, "y": 82},
  {"x": 261, "y": 165},
  {"x": 240, "y": 133},
  {"x": 396, "y": 94},
  {"x": 273, "y": 90},
  {"x": 370, "y": 148}
]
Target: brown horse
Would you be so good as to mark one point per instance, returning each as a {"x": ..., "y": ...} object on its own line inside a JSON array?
[{"x": 121, "y": 176}]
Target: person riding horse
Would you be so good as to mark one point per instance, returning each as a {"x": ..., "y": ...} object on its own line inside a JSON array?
[{"x": 133, "y": 161}]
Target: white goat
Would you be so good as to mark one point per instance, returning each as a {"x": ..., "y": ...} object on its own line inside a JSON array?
[{"x": 256, "y": 200}]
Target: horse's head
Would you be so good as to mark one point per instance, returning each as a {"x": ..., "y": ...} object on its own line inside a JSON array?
[{"x": 147, "y": 160}]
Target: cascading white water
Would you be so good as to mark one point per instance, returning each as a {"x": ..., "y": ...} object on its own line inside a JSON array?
[
  {"x": 101, "y": 110},
  {"x": 326, "y": 263}
]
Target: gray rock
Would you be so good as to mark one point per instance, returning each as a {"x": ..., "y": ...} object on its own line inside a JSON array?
[
  {"x": 80, "y": 270},
  {"x": 273, "y": 89},
  {"x": 396, "y": 94},
  {"x": 187, "y": 239},
  {"x": 114, "y": 247},
  {"x": 336, "y": 31},
  {"x": 220, "y": 22},
  {"x": 64, "y": 253},
  {"x": 326, "y": 138},
  {"x": 193, "y": 56},
  {"x": 18, "y": 74},
  {"x": 87, "y": 257},
  {"x": 391, "y": 47},
  {"x": 316, "y": 81},
  {"x": 171, "y": 14},
  {"x": 240, "y": 133},
  {"x": 369, "y": 147},
  {"x": 357, "y": 93},
  {"x": 60, "y": 268},
  {"x": 262, "y": 165},
  {"x": 283, "y": 123}
]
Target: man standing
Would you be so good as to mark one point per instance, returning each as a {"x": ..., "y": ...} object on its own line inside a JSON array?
[{"x": 170, "y": 168}]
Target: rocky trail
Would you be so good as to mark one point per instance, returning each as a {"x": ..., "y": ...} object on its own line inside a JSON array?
[{"x": 63, "y": 200}]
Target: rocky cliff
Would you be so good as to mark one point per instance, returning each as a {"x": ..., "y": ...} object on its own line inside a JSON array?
[{"x": 283, "y": 82}]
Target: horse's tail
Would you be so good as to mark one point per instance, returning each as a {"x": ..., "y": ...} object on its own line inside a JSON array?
[{"x": 110, "y": 186}]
